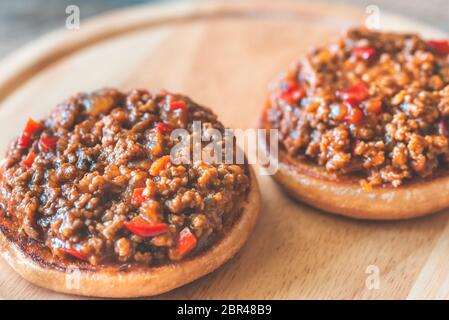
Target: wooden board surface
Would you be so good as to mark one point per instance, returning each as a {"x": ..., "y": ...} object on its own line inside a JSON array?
[{"x": 223, "y": 56}]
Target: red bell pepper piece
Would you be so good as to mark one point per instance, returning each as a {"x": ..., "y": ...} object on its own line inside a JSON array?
[
  {"x": 186, "y": 241},
  {"x": 364, "y": 53},
  {"x": 25, "y": 138},
  {"x": 29, "y": 159},
  {"x": 162, "y": 127},
  {"x": 180, "y": 104},
  {"x": 24, "y": 141},
  {"x": 48, "y": 142},
  {"x": 144, "y": 228},
  {"x": 75, "y": 253},
  {"x": 355, "y": 94},
  {"x": 138, "y": 197},
  {"x": 291, "y": 92},
  {"x": 439, "y": 46}
]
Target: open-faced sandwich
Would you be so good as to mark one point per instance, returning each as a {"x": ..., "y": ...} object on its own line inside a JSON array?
[
  {"x": 363, "y": 125},
  {"x": 91, "y": 192}
]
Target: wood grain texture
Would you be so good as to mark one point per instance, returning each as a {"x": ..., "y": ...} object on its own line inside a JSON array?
[{"x": 223, "y": 55}]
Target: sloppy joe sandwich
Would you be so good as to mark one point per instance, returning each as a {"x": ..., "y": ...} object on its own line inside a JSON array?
[
  {"x": 93, "y": 202},
  {"x": 363, "y": 125}
]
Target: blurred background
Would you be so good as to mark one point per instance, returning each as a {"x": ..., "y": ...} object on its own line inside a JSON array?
[{"x": 24, "y": 20}]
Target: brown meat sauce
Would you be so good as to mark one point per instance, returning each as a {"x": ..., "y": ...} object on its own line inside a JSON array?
[
  {"x": 77, "y": 196},
  {"x": 369, "y": 104}
]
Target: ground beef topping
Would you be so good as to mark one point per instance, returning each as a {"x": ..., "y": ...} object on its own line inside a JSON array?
[
  {"x": 95, "y": 181},
  {"x": 370, "y": 104}
]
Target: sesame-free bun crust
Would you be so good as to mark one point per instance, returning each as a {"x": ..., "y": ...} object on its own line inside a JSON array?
[
  {"x": 33, "y": 263},
  {"x": 313, "y": 185}
]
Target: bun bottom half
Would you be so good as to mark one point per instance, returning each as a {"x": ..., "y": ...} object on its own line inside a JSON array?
[
  {"x": 312, "y": 185},
  {"x": 343, "y": 195},
  {"x": 35, "y": 265}
]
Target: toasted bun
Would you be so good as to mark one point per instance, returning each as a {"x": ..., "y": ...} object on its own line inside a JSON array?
[
  {"x": 313, "y": 185},
  {"x": 137, "y": 282}
]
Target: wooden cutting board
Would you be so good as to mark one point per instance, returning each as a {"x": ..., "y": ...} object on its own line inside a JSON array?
[{"x": 223, "y": 55}]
